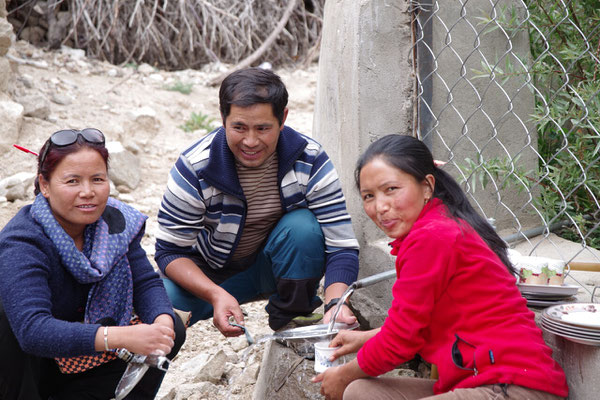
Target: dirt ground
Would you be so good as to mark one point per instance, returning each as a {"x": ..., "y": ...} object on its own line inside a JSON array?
[{"x": 82, "y": 93}]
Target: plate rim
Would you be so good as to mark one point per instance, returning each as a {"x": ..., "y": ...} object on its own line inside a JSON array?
[
  {"x": 589, "y": 342},
  {"x": 547, "y": 313},
  {"x": 548, "y": 289},
  {"x": 571, "y": 329}
]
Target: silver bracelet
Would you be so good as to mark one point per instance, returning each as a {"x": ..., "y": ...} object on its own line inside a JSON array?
[{"x": 106, "y": 339}]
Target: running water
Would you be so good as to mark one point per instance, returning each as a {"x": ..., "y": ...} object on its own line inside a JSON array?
[
  {"x": 357, "y": 285},
  {"x": 339, "y": 305}
]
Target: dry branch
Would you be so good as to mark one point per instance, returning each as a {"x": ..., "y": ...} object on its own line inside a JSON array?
[
  {"x": 180, "y": 34},
  {"x": 248, "y": 61}
]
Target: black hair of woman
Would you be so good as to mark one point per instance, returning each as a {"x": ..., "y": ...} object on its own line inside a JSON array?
[{"x": 412, "y": 156}]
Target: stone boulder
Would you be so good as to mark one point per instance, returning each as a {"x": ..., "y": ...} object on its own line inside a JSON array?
[
  {"x": 5, "y": 74},
  {"x": 11, "y": 115},
  {"x": 143, "y": 118},
  {"x": 17, "y": 187},
  {"x": 35, "y": 105},
  {"x": 6, "y": 36},
  {"x": 124, "y": 166}
]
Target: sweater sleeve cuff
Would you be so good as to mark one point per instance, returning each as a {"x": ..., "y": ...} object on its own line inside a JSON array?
[
  {"x": 158, "y": 311},
  {"x": 364, "y": 365},
  {"x": 341, "y": 266},
  {"x": 165, "y": 259}
]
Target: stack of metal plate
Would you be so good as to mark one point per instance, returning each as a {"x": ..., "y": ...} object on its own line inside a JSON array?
[
  {"x": 547, "y": 295},
  {"x": 578, "y": 322}
]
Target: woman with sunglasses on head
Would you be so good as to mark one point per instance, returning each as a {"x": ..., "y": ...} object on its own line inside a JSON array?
[
  {"x": 455, "y": 301},
  {"x": 73, "y": 275}
]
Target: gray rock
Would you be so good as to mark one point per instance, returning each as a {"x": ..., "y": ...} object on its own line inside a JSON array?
[
  {"x": 33, "y": 34},
  {"x": 143, "y": 118},
  {"x": 75, "y": 54},
  {"x": 17, "y": 187},
  {"x": 213, "y": 370},
  {"x": 11, "y": 115},
  {"x": 238, "y": 343},
  {"x": 158, "y": 78},
  {"x": 6, "y": 36},
  {"x": 5, "y": 74},
  {"x": 61, "y": 99},
  {"x": 145, "y": 69},
  {"x": 27, "y": 80},
  {"x": 35, "y": 105},
  {"x": 124, "y": 166},
  {"x": 126, "y": 198},
  {"x": 192, "y": 391}
]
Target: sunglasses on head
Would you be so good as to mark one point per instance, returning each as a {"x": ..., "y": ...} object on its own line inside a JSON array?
[{"x": 69, "y": 136}]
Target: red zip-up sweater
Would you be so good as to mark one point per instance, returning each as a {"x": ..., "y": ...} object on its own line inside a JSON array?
[{"x": 449, "y": 282}]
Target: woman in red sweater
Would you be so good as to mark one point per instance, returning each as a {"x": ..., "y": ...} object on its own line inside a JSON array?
[{"x": 455, "y": 298}]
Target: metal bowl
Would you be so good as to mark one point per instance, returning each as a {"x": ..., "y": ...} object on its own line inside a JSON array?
[{"x": 302, "y": 340}]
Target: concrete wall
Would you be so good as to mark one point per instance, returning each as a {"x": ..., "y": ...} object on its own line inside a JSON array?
[{"x": 480, "y": 114}]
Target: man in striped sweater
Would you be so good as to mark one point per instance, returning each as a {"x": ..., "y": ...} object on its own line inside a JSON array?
[{"x": 255, "y": 209}]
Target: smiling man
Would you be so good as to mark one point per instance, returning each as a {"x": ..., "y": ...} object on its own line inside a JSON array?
[{"x": 253, "y": 210}]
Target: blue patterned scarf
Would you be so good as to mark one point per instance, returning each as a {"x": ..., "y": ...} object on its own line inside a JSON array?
[{"x": 103, "y": 262}]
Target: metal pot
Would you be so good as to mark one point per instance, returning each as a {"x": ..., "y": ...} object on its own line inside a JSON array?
[{"x": 302, "y": 340}]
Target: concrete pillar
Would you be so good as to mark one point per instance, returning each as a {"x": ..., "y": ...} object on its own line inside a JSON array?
[{"x": 364, "y": 92}]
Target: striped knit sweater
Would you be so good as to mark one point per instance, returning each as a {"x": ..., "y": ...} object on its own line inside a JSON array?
[{"x": 203, "y": 209}]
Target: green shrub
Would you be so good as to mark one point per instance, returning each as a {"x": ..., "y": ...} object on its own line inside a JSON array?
[
  {"x": 198, "y": 121},
  {"x": 178, "y": 86},
  {"x": 566, "y": 114}
]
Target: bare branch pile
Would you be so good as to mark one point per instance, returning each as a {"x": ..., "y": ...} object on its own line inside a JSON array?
[{"x": 173, "y": 34}]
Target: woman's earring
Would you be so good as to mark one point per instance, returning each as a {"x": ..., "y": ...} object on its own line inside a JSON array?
[{"x": 425, "y": 201}]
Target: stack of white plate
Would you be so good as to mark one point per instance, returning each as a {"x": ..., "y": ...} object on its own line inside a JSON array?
[
  {"x": 547, "y": 295},
  {"x": 578, "y": 322}
]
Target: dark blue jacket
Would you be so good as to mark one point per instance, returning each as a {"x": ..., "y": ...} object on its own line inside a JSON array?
[{"x": 43, "y": 302}]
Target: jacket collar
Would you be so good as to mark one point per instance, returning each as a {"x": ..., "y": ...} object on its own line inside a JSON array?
[
  {"x": 433, "y": 204},
  {"x": 220, "y": 170}
]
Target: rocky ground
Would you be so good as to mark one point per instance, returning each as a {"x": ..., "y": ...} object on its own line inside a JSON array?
[{"x": 137, "y": 106}]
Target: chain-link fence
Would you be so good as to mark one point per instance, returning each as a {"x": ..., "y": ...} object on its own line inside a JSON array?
[{"x": 508, "y": 93}]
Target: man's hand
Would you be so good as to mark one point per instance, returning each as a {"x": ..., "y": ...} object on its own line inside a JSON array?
[
  {"x": 226, "y": 306},
  {"x": 344, "y": 316},
  {"x": 336, "y": 290},
  {"x": 185, "y": 273}
]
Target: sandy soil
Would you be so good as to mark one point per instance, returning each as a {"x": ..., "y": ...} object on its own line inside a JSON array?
[{"x": 108, "y": 97}]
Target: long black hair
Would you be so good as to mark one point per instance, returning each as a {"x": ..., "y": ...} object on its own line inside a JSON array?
[{"x": 411, "y": 156}]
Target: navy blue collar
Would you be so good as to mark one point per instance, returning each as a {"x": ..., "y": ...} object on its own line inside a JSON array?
[{"x": 220, "y": 170}]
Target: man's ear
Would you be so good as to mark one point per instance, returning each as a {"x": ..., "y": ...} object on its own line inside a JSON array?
[{"x": 285, "y": 114}]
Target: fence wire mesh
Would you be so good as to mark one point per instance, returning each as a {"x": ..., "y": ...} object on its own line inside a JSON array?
[{"x": 508, "y": 93}]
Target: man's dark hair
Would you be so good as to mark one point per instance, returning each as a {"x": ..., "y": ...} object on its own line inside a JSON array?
[{"x": 250, "y": 86}]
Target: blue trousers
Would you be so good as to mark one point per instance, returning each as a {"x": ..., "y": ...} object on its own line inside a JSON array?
[{"x": 288, "y": 269}]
